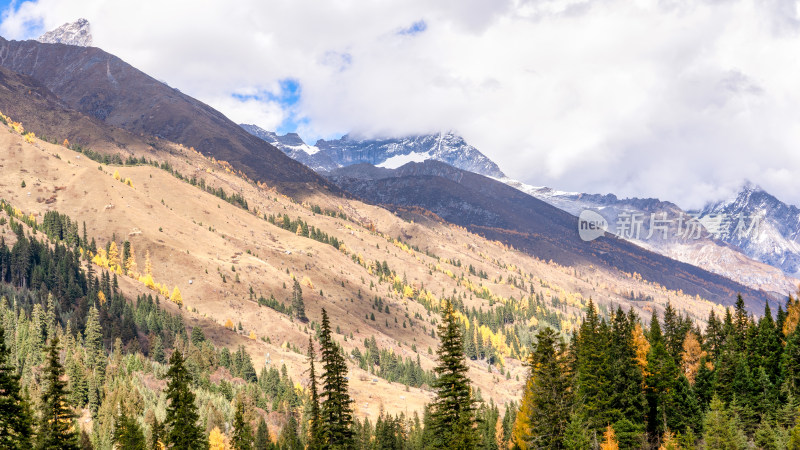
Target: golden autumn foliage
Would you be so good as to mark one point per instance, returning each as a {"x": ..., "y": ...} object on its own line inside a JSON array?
[
  {"x": 642, "y": 346},
  {"x": 29, "y": 137},
  {"x": 216, "y": 440},
  {"x": 113, "y": 256},
  {"x": 176, "y": 296},
  {"x": 65, "y": 143},
  {"x": 307, "y": 282},
  {"x": 691, "y": 356},
  {"x": 522, "y": 424},
  {"x": 609, "y": 440},
  {"x": 130, "y": 264},
  {"x": 253, "y": 335},
  {"x": 101, "y": 297},
  {"x": 117, "y": 175},
  {"x": 669, "y": 442},
  {"x": 792, "y": 316},
  {"x": 229, "y": 324}
]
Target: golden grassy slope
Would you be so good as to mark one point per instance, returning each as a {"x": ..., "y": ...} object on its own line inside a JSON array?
[{"x": 195, "y": 238}]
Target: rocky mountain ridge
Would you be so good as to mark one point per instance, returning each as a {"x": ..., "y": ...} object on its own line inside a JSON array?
[
  {"x": 78, "y": 33},
  {"x": 392, "y": 152}
]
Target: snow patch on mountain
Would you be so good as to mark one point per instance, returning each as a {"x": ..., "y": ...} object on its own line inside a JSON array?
[
  {"x": 328, "y": 155},
  {"x": 766, "y": 260},
  {"x": 397, "y": 161},
  {"x": 78, "y": 33},
  {"x": 775, "y": 238}
]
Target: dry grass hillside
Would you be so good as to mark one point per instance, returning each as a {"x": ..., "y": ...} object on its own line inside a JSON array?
[{"x": 222, "y": 257}]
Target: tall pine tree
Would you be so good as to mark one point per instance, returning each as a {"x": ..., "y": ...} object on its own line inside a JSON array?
[
  {"x": 298, "y": 306},
  {"x": 452, "y": 417},
  {"x": 546, "y": 402},
  {"x": 242, "y": 434},
  {"x": 314, "y": 430},
  {"x": 15, "y": 414},
  {"x": 183, "y": 431},
  {"x": 337, "y": 414},
  {"x": 56, "y": 418}
]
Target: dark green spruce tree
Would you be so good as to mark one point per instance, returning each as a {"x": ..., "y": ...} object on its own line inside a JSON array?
[
  {"x": 544, "y": 412},
  {"x": 242, "y": 434},
  {"x": 452, "y": 417},
  {"x": 298, "y": 306},
  {"x": 337, "y": 414},
  {"x": 15, "y": 414},
  {"x": 591, "y": 382},
  {"x": 55, "y": 428},
  {"x": 314, "y": 430},
  {"x": 128, "y": 434},
  {"x": 262, "y": 440},
  {"x": 183, "y": 431},
  {"x": 626, "y": 398}
]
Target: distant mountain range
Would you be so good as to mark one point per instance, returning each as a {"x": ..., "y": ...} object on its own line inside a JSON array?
[
  {"x": 775, "y": 239},
  {"x": 775, "y": 242},
  {"x": 717, "y": 250},
  {"x": 391, "y": 153}
]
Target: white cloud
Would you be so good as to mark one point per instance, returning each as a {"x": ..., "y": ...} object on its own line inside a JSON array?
[{"x": 681, "y": 100}]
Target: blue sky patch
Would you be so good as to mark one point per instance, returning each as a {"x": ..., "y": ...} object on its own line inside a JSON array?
[
  {"x": 415, "y": 28},
  {"x": 287, "y": 97}
]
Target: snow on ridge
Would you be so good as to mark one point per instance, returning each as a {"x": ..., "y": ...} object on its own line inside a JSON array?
[
  {"x": 397, "y": 161},
  {"x": 78, "y": 33}
]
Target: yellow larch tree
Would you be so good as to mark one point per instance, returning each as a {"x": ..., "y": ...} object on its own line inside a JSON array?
[
  {"x": 65, "y": 143},
  {"x": 130, "y": 264},
  {"x": 792, "y": 315},
  {"x": 113, "y": 256},
  {"x": 669, "y": 442},
  {"x": 216, "y": 440},
  {"x": 691, "y": 356},
  {"x": 176, "y": 296},
  {"x": 522, "y": 424},
  {"x": 148, "y": 265},
  {"x": 642, "y": 347},
  {"x": 117, "y": 176},
  {"x": 609, "y": 440}
]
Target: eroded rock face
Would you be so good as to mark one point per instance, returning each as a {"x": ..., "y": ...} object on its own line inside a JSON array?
[{"x": 77, "y": 33}]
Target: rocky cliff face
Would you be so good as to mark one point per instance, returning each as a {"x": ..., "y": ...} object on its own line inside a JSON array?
[{"x": 77, "y": 33}]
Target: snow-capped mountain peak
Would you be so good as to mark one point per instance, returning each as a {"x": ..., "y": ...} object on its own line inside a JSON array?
[
  {"x": 77, "y": 33},
  {"x": 325, "y": 156},
  {"x": 775, "y": 239}
]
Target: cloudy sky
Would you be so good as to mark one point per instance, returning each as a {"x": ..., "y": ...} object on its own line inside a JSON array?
[{"x": 682, "y": 100}]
